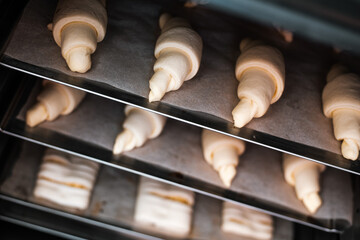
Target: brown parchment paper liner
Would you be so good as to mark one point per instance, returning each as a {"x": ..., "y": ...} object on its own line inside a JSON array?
[
  {"x": 98, "y": 120},
  {"x": 113, "y": 198},
  {"x": 125, "y": 59}
]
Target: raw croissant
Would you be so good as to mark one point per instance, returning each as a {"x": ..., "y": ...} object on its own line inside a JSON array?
[
  {"x": 164, "y": 208},
  {"x": 66, "y": 180},
  {"x": 246, "y": 222},
  {"x": 305, "y": 176},
  {"x": 178, "y": 53},
  {"x": 139, "y": 126},
  {"x": 54, "y": 100},
  {"x": 222, "y": 152},
  {"x": 78, "y": 26},
  {"x": 341, "y": 102},
  {"x": 260, "y": 70}
]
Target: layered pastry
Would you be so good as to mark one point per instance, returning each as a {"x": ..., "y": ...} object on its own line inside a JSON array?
[
  {"x": 304, "y": 175},
  {"x": 164, "y": 208},
  {"x": 53, "y": 100},
  {"x": 260, "y": 70},
  {"x": 66, "y": 181},
  {"x": 77, "y": 27},
  {"x": 246, "y": 222},
  {"x": 341, "y": 102},
  {"x": 222, "y": 153},
  {"x": 139, "y": 126},
  {"x": 178, "y": 54}
]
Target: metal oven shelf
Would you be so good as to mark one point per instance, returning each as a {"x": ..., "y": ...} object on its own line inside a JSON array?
[
  {"x": 84, "y": 133},
  {"x": 295, "y": 124}
]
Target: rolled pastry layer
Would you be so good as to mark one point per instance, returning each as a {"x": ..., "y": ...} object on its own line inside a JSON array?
[
  {"x": 260, "y": 70},
  {"x": 222, "y": 152},
  {"x": 65, "y": 180},
  {"x": 139, "y": 126},
  {"x": 164, "y": 208},
  {"x": 304, "y": 175},
  {"x": 77, "y": 27},
  {"x": 178, "y": 53},
  {"x": 341, "y": 102},
  {"x": 246, "y": 222},
  {"x": 54, "y": 100}
]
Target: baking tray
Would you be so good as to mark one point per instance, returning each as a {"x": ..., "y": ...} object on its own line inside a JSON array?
[
  {"x": 122, "y": 66},
  {"x": 91, "y": 129},
  {"x": 113, "y": 199}
]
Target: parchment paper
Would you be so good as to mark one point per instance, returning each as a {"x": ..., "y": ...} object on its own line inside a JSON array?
[
  {"x": 113, "y": 198},
  {"x": 98, "y": 120},
  {"x": 124, "y": 60}
]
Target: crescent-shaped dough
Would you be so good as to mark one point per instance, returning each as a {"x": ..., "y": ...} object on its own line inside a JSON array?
[
  {"x": 178, "y": 53},
  {"x": 54, "y": 100},
  {"x": 305, "y": 176},
  {"x": 260, "y": 70},
  {"x": 341, "y": 102},
  {"x": 222, "y": 152},
  {"x": 77, "y": 27},
  {"x": 139, "y": 126}
]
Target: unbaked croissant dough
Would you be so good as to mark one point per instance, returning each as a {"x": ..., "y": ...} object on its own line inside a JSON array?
[
  {"x": 222, "y": 152},
  {"x": 246, "y": 222},
  {"x": 287, "y": 35},
  {"x": 53, "y": 100},
  {"x": 178, "y": 53},
  {"x": 164, "y": 208},
  {"x": 139, "y": 126},
  {"x": 341, "y": 102},
  {"x": 65, "y": 180},
  {"x": 78, "y": 26},
  {"x": 260, "y": 70},
  {"x": 305, "y": 176}
]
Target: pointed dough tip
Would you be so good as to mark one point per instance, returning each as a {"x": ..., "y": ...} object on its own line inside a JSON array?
[
  {"x": 350, "y": 149},
  {"x": 312, "y": 202},
  {"x": 123, "y": 142},
  {"x": 50, "y": 26},
  {"x": 164, "y": 18},
  {"x": 153, "y": 98},
  {"x": 227, "y": 174},
  {"x": 243, "y": 113},
  {"x": 79, "y": 60},
  {"x": 36, "y": 115}
]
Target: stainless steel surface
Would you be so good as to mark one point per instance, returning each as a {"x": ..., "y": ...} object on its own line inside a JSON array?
[
  {"x": 92, "y": 138},
  {"x": 113, "y": 201},
  {"x": 332, "y": 22},
  {"x": 63, "y": 222},
  {"x": 195, "y": 118},
  {"x": 40, "y": 228},
  {"x": 294, "y": 125},
  {"x": 97, "y": 121}
]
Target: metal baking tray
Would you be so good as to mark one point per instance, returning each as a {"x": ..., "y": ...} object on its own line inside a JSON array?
[
  {"x": 295, "y": 124},
  {"x": 111, "y": 208},
  {"x": 207, "y": 183}
]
